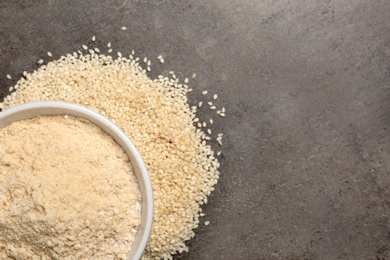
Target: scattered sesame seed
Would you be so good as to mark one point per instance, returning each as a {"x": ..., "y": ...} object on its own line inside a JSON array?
[
  {"x": 210, "y": 103},
  {"x": 49, "y": 54},
  {"x": 85, "y": 47},
  {"x": 223, "y": 110},
  {"x": 162, "y": 61},
  {"x": 148, "y": 68},
  {"x": 219, "y": 153},
  {"x": 211, "y": 121},
  {"x": 205, "y": 92},
  {"x": 97, "y": 50},
  {"x": 123, "y": 28},
  {"x": 159, "y": 57},
  {"x": 109, "y": 50},
  {"x": 164, "y": 99},
  {"x": 145, "y": 59},
  {"x": 40, "y": 61},
  {"x": 109, "y": 45},
  {"x": 215, "y": 96},
  {"x": 93, "y": 38},
  {"x": 206, "y": 223},
  {"x": 186, "y": 80},
  {"x": 8, "y": 76},
  {"x": 10, "y": 89},
  {"x": 200, "y": 104},
  {"x": 193, "y": 75},
  {"x": 119, "y": 54},
  {"x": 92, "y": 52},
  {"x": 213, "y": 107},
  {"x": 132, "y": 52}
]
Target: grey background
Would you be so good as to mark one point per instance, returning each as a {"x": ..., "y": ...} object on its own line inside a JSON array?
[{"x": 306, "y": 84}]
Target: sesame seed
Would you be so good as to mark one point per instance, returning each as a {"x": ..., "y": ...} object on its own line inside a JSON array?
[
  {"x": 108, "y": 86},
  {"x": 210, "y": 103},
  {"x": 49, "y": 54},
  {"x": 123, "y": 28},
  {"x": 145, "y": 59},
  {"x": 8, "y": 76},
  {"x": 211, "y": 121},
  {"x": 162, "y": 61},
  {"x": 92, "y": 52},
  {"x": 40, "y": 61},
  {"x": 85, "y": 47},
  {"x": 93, "y": 38},
  {"x": 206, "y": 223},
  {"x": 186, "y": 80},
  {"x": 219, "y": 153},
  {"x": 119, "y": 54},
  {"x": 215, "y": 96},
  {"x": 109, "y": 50},
  {"x": 97, "y": 50},
  {"x": 132, "y": 52},
  {"x": 109, "y": 45},
  {"x": 194, "y": 75},
  {"x": 205, "y": 92},
  {"x": 148, "y": 68},
  {"x": 213, "y": 107},
  {"x": 10, "y": 89},
  {"x": 223, "y": 110}
]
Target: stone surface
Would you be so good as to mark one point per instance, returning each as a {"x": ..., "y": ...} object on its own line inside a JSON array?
[{"x": 306, "y": 84}]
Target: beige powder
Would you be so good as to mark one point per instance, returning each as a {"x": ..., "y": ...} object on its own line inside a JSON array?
[{"x": 67, "y": 191}]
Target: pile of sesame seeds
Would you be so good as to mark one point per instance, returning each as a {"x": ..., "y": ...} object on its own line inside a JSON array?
[{"x": 156, "y": 115}]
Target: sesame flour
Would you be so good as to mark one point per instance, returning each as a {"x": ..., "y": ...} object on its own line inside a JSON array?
[{"x": 67, "y": 191}]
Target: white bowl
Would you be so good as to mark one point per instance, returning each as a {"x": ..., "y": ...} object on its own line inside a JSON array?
[{"x": 49, "y": 108}]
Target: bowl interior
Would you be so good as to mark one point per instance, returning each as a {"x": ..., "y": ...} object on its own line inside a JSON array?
[{"x": 49, "y": 108}]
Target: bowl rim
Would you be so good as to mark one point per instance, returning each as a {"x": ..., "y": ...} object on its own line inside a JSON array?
[{"x": 50, "y": 108}]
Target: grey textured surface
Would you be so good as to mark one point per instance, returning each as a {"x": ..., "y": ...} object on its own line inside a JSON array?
[{"x": 306, "y": 166}]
